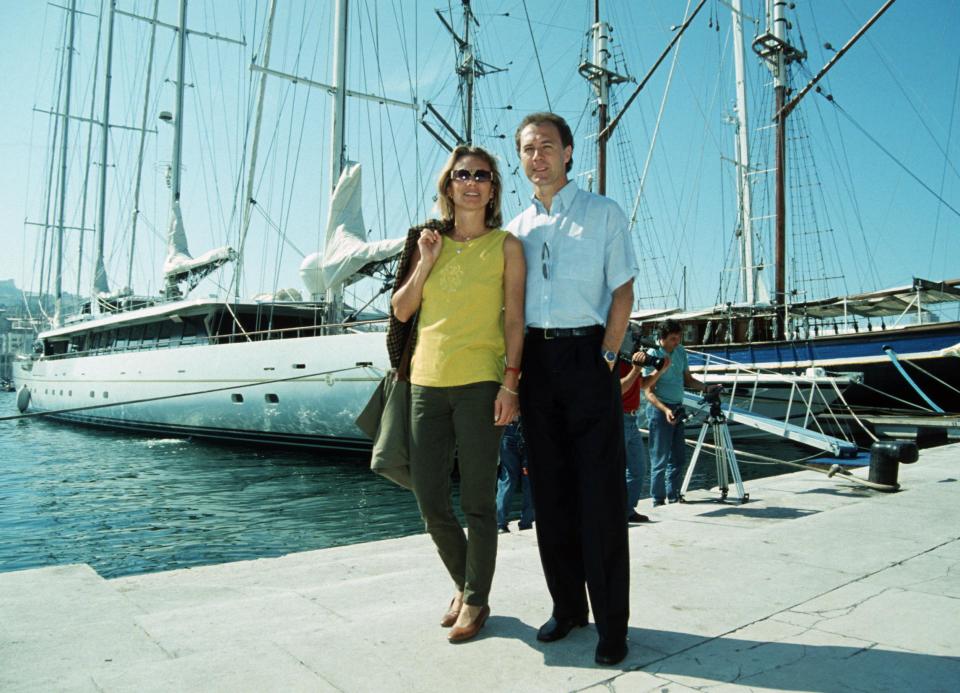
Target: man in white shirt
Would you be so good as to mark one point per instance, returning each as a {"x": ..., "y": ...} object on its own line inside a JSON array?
[{"x": 580, "y": 270}]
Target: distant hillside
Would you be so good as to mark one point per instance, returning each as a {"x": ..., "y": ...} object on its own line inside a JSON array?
[{"x": 12, "y": 297}]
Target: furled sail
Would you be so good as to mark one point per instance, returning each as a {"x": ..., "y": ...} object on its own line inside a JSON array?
[
  {"x": 347, "y": 250},
  {"x": 180, "y": 266}
]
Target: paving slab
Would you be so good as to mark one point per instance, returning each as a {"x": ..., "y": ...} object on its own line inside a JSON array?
[
  {"x": 60, "y": 623},
  {"x": 814, "y": 585}
]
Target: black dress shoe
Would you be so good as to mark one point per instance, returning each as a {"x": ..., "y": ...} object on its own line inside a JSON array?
[
  {"x": 557, "y": 628},
  {"x": 610, "y": 652},
  {"x": 636, "y": 517}
]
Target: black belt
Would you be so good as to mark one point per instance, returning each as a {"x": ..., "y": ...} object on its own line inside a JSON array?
[{"x": 560, "y": 332}]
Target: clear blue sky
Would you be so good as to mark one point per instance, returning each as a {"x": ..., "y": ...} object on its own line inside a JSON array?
[{"x": 899, "y": 84}]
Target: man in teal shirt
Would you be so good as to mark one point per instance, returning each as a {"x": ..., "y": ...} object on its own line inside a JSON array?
[{"x": 667, "y": 447}]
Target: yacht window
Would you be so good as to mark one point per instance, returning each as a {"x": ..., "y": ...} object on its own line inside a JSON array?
[
  {"x": 123, "y": 338},
  {"x": 150, "y": 333},
  {"x": 236, "y": 397},
  {"x": 136, "y": 336},
  {"x": 271, "y": 398},
  {"x": 170, "y": 333},
  {"x": 194, "y": 330}
]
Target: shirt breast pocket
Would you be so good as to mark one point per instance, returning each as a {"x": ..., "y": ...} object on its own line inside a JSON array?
[{"x": 581, "y": 259}]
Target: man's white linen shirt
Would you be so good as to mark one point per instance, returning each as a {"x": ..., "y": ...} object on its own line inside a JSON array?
[{"x": 577, "y": 254}]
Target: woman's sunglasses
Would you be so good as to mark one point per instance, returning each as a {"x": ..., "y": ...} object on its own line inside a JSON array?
[{"x": 481, "y": 175}]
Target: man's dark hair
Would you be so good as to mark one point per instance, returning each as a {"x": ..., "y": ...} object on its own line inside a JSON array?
[
  {"x": 541, "y": 117},
  {"x": 668, "y": 327}
]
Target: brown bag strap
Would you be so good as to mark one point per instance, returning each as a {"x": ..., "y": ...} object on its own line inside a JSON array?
[{"x": 403, "y": 369}]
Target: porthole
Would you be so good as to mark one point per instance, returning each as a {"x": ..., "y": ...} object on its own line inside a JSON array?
[
  {"x": 92, "y": 393},
  {"x": 300, "y": 365},
  {"x": 236, "y": 397},
  {"x": 271, "y": 398},
  {"x": 105, "y": 394}
]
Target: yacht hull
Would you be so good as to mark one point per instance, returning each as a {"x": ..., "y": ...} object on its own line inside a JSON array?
[
  {"x": 933, "y": 347},
  {"x": 300, "y": 392}
]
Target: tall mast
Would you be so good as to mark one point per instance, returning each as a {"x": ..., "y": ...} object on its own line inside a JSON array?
[
  {"x": 99, "y": 273},
  {"x": 602, "y": 86},
  {"x": 780, "y": 240},
  {"x": 86, "y": 160},
  {"x": 598, "y": 74},
  {"x": 750, "y": 271},
  {"x": 176, "y": 236},
  {"x": 334, "y": 297},
  {"x": 61, "y": 216},
  {"x": 178, "y": 116},
  {"x": 467, "y": 69},
  {"x": 773, "y": 47},
  {"x": 254, "y": 150},
  {"x": 143, "y": 137},
  {"x": 339, "y": 107}
]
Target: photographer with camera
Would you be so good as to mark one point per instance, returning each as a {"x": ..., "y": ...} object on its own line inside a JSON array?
[
  {"x": 666, "y": 413},
  {"x": 632, "y": 382}
]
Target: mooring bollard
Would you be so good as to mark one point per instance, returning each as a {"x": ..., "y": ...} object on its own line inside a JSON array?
[{"x": 885, "y": 457}]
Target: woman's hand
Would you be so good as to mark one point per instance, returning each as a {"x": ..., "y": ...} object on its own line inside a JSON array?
[
  {"x": 429, "y": 243},
  {"x": 505, "y": 407}
]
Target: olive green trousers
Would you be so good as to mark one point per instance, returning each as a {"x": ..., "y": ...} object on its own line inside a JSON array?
[{"x": 445, "y": 421}]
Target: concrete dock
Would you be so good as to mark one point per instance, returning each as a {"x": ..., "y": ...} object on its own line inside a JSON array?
[{"x": 814, "y": 585}]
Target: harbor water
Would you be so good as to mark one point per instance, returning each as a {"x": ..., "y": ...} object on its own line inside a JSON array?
[{"x": 128, "y": 504}]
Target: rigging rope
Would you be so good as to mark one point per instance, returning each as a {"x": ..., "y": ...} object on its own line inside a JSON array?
[
  {"x": 894, "y": 158},
  {"x": 946, "y": 160},
  {"x": 536, "y": 54},
  {"x": 928, "y": 373}
]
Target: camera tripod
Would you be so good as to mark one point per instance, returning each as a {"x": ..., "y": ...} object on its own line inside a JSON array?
[{"x": 726, "y": 457}]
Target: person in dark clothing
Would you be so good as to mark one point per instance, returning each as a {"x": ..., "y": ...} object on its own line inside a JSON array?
[
  {"x": 513, "y": 474},
  {"x": 579, "y": 293}
]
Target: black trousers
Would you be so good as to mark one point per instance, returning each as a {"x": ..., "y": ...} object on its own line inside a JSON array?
[{"x": 573, "y": 424}]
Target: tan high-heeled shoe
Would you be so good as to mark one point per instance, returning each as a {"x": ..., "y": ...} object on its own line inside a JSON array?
[
  {"x": 452, "y": 614},
  {"x": 464, "y": 633}
]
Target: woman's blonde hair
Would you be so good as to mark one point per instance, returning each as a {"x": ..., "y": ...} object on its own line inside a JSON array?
[{"x": 494, "y": 217}]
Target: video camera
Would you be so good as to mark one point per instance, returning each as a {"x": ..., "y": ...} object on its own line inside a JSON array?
[
  {"x": 711, "y": 396},
  {"x": 641, "y": 343},
  {"x": 680, "y": 414}
]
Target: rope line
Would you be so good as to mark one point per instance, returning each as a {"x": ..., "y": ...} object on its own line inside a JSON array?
[
  {"x": 536, "y": 54},
  {"x": 895, "y": 159}
]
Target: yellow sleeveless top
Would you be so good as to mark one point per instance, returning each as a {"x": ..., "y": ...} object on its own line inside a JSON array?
[{"x": 460, "y": 328}]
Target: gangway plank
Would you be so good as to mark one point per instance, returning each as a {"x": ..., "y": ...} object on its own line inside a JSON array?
[{"x": 836, "y": 447}]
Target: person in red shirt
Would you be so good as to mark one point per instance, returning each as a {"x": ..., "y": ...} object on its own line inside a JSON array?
[{"x": 632, "y": 381}]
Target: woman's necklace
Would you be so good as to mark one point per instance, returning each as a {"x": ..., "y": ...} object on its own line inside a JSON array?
[{"x": 463, "y": 238}]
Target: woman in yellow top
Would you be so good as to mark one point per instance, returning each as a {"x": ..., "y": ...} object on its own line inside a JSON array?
[{"x": 467, "y": 283}]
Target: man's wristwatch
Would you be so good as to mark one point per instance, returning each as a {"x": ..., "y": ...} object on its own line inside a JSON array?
[{"x": 609, "y": 356}]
